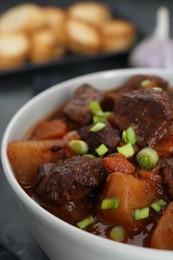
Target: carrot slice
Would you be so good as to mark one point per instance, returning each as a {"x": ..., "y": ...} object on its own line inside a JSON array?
[
  {"x": 118, "y": 163},
  {"x": 165, "y": 146},
  {"x": 53, "y": 129}
]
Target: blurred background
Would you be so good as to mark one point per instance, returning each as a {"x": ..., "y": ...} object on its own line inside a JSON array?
[{"x": 35, "y": 54}]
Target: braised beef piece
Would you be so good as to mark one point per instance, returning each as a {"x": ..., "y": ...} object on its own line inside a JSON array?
[
  {"x": 149, "y": 81},
  {"x": 77, "y": 109},
  {"x": 71, "y": 211},
  {"x": 71, "y": 180},
  {"x": 44, "y": 172},
  {"x": 167, "y": 171},
  {"x": 109, "y": 136},
  {"x": 148, "y": 111}
]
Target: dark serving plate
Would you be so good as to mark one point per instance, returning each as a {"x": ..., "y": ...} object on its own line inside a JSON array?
[
  {"x": 41, "y": 76},
  {"x": 69, "y": 59}
]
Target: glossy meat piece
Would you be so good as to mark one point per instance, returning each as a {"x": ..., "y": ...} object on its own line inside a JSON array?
[
  {"x": 78, "y": 110},
  {"x": 109, "y": 136},
  {"x": 153, "y": 81},
  {"x": 71, "y": 180},
  {"x": 148, "y": 111},
  {"x": 167, "y": 171},
  {"x": 134, "y": 83}
]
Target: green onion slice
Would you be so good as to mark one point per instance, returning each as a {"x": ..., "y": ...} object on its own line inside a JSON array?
[
  {"x": 147, "y": 158},
  {"x": 129, "y": 136},
  {"x": 101, "y": 150},
  {"x": 141, "y": 213},
  {"x": 79, "y": 146},
  {"x": 127, "y": 150},
  {"x": 159, "y": 205},
  {"x": 102, "y": 117},
  {"x": 95, "y": 108},
  {"x": 86, "y": 222},
  {"x": 145, "y": 82},
  {"x": 89, "y": 155},
  {"x": 99, "y": 115},
  {"x": 118, "y": 233},
  {"x": 97, "y": 127},
  {"x": 112, "y": 154},
  {"x": 110, "y": 203},
  {"x": 158, "y": 89}
]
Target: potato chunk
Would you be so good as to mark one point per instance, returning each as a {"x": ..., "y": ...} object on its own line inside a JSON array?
[
  {"x": 132, "y": 193},
  {"x": 26, "y": 156},
  {"x": 162, "y": 237}
]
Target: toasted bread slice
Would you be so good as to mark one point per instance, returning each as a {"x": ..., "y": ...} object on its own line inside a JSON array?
[
  {"x": 14, "y": 49},
  {"x": 90, "y": 12},
  {"x": 117, "y": 35},
  {"x": 22, "y": 18},
  {"x": 82, "y": 37},
  {"x": 44, "y": 46},
  {"x": 54, "y": 19}
]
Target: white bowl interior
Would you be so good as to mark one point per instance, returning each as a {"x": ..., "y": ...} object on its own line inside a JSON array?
[{"x": 35, "y": 109}]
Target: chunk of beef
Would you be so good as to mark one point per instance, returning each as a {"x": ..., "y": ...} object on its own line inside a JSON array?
[
  {"x": 149, "y": 81},
  {"x": 167, "y": 172},
  {"x": 148, "y": 111},
  {"x": 109, "y": 136},
  {"x": 77, "y": 109},
  {"x": 71, "y": 180},
  {"x": 136, "y": 82}
]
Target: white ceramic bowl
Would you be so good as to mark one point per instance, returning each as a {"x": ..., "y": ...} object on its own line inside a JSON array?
[{"x": 57, "y": 238}]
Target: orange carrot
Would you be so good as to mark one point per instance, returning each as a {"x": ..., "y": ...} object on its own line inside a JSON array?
[
  {"x": 165, "y": 146},
  {"x": 49, "y": 130},
  {"x": 118, "y": 163},
  {"x": 150, "y": 175}
]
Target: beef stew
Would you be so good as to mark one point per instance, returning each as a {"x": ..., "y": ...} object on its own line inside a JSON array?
[{"x": 103, "y": 162}]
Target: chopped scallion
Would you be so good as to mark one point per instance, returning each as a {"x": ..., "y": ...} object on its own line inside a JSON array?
[
  {"x": 86, "y": 222},
  {"x": 89, "y": 155},
  {"x": 112, "y": 154},
  {"x": 97, "y": 127},
  {"x": 141, "y": 213},
  {"x": 162, "y": 203},
  {"x": 102, "y": 117},
  {"x": 110, "y": 203},
  {"x": 159, "y": 205},
  {"x": 156, "y": 206},
  {"x": 97, "y": 119},
  {"x": 127, "y": 150},
  {"x": 158, "y": 89},
  {"x": 107, "y": 114},
  {"x": 118, "y": 233},
  {"x": 99, "y": 115},
  {"x": 145, "y": 82},
  {"x": 79, "y": 146},
  {"x": 129, "y": 136},
  {"x": 101, "y": 150},
  {"x": 95, "y": 108},
  {"x": 147, "y": 158}
]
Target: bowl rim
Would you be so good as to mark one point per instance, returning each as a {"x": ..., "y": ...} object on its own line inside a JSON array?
[{"x": 46, "y": 216}]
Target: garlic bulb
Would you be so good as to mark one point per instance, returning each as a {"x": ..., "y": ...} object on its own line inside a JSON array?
[{"x": 156, "y": 50}]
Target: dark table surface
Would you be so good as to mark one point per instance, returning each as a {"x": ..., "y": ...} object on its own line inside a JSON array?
[{"x": 16, "y": 239}]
